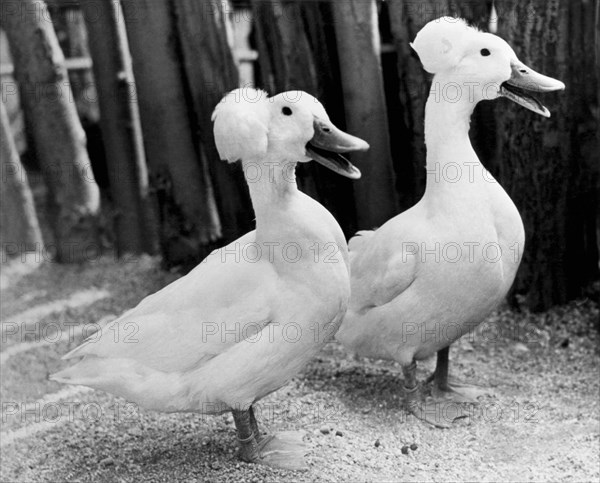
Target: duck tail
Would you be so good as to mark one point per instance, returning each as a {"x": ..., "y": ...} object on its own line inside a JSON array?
[
  {"x": 80, "y": 373},
  {"x": 145, "y": 386}
]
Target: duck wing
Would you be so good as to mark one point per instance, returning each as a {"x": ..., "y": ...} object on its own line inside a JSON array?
[
  {"x": 383, "y": 267},
  {"x": 223, "y": 301},
  {"x": 357, "y": 243}
]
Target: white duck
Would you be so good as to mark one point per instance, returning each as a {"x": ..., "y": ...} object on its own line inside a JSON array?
[
  {"x": 252, "y": 314},
  {"x": 432, "y": 273}
]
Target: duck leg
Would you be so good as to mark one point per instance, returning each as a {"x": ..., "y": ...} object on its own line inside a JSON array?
[
  {"x": 283, "y": 450},
  {"x": 429, "y": 412},
  {"x": 452, "y": 389},
  {"x": 258, "y": 435},
  {"x": 246, "y": 437}
]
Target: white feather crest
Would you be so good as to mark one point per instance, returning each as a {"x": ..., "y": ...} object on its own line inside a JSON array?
[
  {"x": 241, "y": 122},
  {"x": 441, "y": 43}
]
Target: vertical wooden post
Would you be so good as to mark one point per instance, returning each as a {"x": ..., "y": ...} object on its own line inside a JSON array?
[
  {"x": 292, "y": 42},
  {"x": 597, "y": 43},
  {"x": 71, "y": 30},
  {"x": 597, "y": 36},
  {"x": 550, "y": 166},
  {"x": 19, "y": 227},
  {"x": 59, "y": 138},
  {"x": 597, "y": 197},
  {"x": 285, "y": 57},
  {"x": 359, "y": 50},
  {"x": 286, "y": 62},
  {"x": 188, "y": 216},
  {"x": 121, "y": 128},
  {"x": 406, "y": 19},
  {"x": 210, "y": 72}
]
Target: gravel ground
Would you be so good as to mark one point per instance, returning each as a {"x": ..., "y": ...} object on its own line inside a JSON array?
[{"x": 539, "y": 423}]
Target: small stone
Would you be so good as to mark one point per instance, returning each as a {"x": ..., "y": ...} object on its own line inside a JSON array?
[
  {"x": 404, "y": 449},
  {"x": 339, "y": 433},
  {"x": 520, "y": 348},
  {"x": 414, "y": 447},
  {"x": 215, "y": 465},
  {"x": 377, "y": 443},
  {"x": 324, "y": 430},
  {"x": 107, "y": 462}
]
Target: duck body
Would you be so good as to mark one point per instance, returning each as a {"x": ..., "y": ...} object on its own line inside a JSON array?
[
  {"x": 233, "y": 330},
  {"x": 431, "y": 274},
  {"x": 251, "y": 315}
]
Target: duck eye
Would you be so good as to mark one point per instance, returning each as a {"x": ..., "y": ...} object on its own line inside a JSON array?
[
  {"x": 286, "y": 111},
  {"x": 485, "y": 52}
]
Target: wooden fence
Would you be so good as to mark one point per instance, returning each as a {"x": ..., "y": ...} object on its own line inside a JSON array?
[{"x": 355, "y": 57}]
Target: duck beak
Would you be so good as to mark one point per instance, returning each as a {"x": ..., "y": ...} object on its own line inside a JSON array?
[
  {"x": 524, "y": 80},
  {"x": 327, "y": 145}
]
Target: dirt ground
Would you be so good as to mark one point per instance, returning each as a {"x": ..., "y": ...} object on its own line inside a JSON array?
[{"x": 539, "y": 423}]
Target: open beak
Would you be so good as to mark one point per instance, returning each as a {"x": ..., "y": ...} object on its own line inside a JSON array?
[
  {"x": 327, "y": 145},
  {"x": 524, "y": 80}
]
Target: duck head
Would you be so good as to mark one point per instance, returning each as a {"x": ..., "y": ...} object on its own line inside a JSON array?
[
  {"x": 292, "y": 126},
  {"x": 482, "y": 64}
]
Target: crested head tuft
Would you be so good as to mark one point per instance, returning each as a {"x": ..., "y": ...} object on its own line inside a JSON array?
[
  {"x": 240, "y": 124},
  {"x": 441, "y": 43}
]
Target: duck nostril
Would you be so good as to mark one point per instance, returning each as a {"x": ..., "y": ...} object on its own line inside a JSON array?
[
  {"x": 326, "y": 129},
  {"x": 523, "y": 71}
]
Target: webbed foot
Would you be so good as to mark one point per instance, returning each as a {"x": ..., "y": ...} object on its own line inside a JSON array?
[
  {"x": 285, "y": 450},
  {"x": 459, "y": 392},
  {"x": 448, "y": 389},
  {"x": 439, "y": 413}
]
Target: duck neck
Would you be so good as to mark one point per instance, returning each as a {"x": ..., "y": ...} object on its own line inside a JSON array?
[
  {"x": 272, "y": 185},
  {"x": 451, "y": 160}
]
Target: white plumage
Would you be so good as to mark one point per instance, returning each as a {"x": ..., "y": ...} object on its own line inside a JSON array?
[
  {"x": 432, "y": 273},
  {"x": 251, "y": 315}
]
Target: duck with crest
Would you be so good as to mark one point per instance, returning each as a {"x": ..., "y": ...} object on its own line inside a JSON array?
[
  {"x": 252, "y": 314},
  {"x": 434, "y": 272}
]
